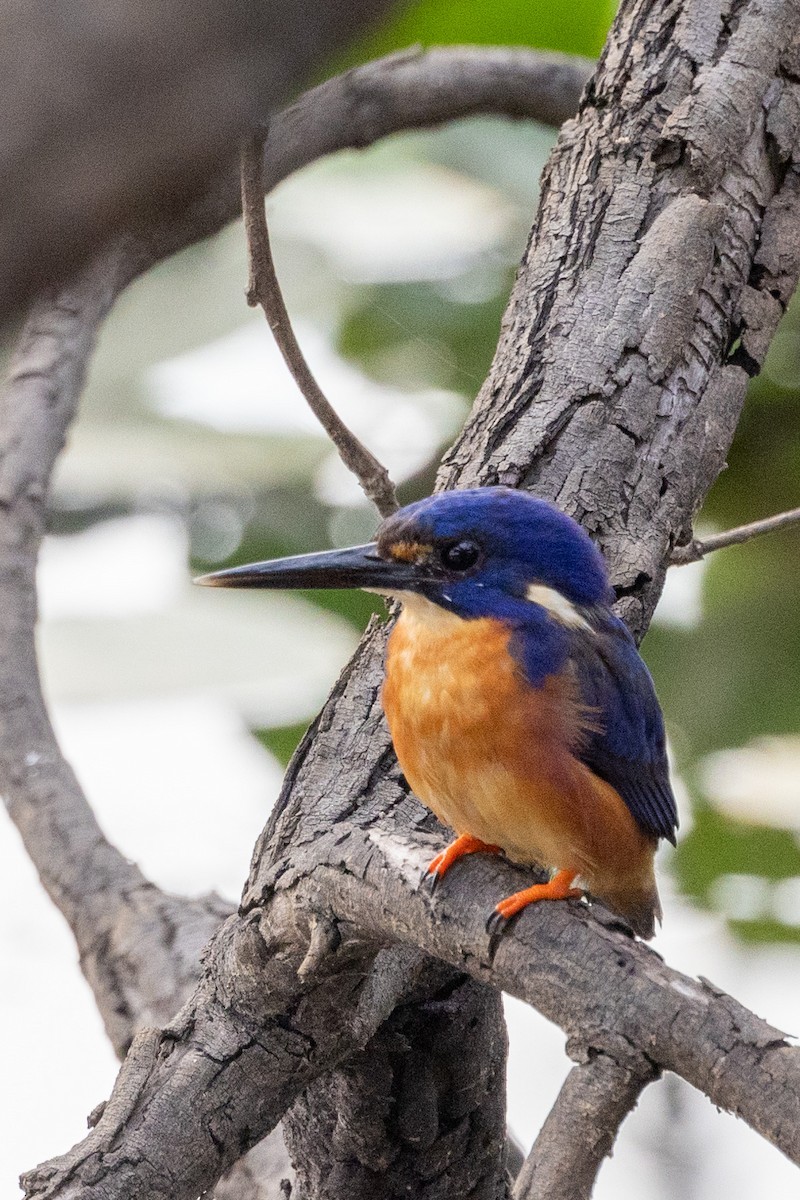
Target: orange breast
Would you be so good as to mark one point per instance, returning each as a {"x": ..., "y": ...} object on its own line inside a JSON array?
[{"x": 494, "y": 757}]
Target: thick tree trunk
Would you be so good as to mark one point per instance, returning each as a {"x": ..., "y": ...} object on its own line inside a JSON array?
[{"x": 419, "y": 1112}]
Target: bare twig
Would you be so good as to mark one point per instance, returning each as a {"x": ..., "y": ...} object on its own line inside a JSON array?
[
  {"x": 582, "y": 1126},
  {"x": 263, "y": 289},
  {"x": 696, "y": 549}
]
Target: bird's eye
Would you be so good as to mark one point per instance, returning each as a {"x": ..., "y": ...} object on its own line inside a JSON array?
[{"x": 460, "y": 556}]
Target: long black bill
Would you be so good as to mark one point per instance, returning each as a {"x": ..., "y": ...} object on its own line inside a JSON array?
[{"x": 355, "y": 567}]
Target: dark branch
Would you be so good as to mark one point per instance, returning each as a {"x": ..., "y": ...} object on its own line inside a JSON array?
[
  {"x": 696, "y": 549},
  {"x": 263, "y": 289}
]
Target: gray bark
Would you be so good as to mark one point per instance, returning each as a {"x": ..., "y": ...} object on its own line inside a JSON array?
[
  {"x": 419, "y": 1112},
  {"x": 581, "y": 1128}
]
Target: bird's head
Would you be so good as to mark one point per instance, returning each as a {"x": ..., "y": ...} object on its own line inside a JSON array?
[{"x": 481, "y": 552}]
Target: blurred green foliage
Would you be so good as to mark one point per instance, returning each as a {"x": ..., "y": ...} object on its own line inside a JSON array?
[
  {"x": 576, "y": 28},
  {"x": 282, "y": 742}
]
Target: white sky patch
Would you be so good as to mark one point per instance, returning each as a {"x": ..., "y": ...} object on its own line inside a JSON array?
[
  {"x": 741, "y": 897},
  {"x": 681, "y": 603},
  {"x": 409, "y": 221},
  {"x": 116, "y": 568},
  {"x": 785, "y": 901},
  {"x": 177, "y": 782},
  {"x": 759, "y": 782},
  {"x": 123, "y": 621},
  {"x": 240, "y": 384}
]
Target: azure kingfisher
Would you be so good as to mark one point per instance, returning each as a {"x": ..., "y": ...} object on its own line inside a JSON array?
[{"x": 520, "y": 710}]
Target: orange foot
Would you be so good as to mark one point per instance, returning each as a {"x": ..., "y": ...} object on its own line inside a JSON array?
[
  {"x": 466, "y": 844},
  {"x": 559, "y": 888}
]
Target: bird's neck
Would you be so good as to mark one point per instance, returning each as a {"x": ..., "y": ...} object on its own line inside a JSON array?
[{"x": 423, "y": 617}]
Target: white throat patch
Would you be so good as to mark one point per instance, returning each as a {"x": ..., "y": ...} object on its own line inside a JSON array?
[{"x": 557, "y": 605}]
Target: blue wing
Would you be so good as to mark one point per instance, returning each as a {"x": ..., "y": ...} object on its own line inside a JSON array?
[{"x": 628, "y": 747}]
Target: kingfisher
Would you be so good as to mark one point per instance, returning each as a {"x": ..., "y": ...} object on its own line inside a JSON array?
[{"x": 520, "y": 710}]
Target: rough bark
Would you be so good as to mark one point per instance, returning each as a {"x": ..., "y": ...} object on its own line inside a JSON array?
[
  {"x": 663, "y": 255},
  {"x": 424, "y": 1102}
]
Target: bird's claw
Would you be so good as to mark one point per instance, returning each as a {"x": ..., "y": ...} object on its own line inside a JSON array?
[
  {"x": 430, "y": 879},
  {"x": 496, "y": 924}
]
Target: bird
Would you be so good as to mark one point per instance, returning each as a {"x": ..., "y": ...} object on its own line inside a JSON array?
[{"x": 520, "y": 710}]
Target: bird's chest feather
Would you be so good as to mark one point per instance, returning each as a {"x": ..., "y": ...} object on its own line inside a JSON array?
[{"x": 464, "y": 722}]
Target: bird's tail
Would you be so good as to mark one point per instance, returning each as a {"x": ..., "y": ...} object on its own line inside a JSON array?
[{"x": 637, "y": 902}]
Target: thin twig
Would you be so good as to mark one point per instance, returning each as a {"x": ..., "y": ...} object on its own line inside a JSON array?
[
  {"x": 263, "y": 289},
  {"x": 694, "y": 550}
]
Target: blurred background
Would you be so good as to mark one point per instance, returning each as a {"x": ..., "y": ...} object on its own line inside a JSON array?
[{"x": 180, "y": 707}]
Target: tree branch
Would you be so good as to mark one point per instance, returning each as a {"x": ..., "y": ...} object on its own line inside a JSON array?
[
  {"x": 263, "y": 289},
  {"x": 696, "y": 549},
  {"x": 254, "y": 1034},
  {"x": 412, "y": 90},
  {"x": 582, "y": 1127},
  {"x": 139, "y": 967}
]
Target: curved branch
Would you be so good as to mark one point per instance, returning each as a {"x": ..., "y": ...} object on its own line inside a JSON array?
[
  {"x": 125, "y": 928},
  {"x": 264, "y": 290},
  {"x": 582, "y": 1127}
]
